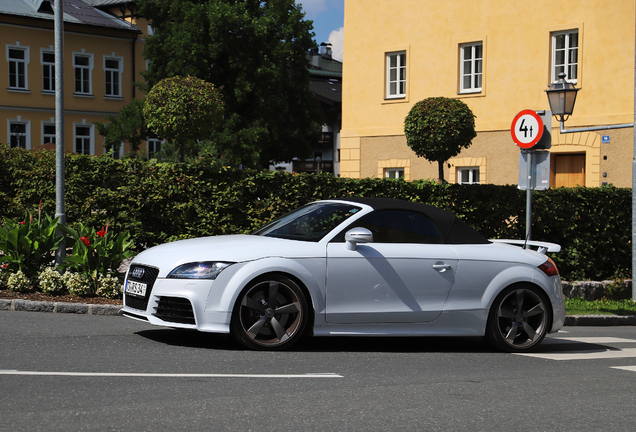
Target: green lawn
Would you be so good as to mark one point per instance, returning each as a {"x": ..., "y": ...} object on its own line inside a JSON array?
[{"x": 600, "y": 307}]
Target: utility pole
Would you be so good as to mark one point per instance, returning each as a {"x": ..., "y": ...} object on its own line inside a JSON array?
[{"x": 60, "y": 210}]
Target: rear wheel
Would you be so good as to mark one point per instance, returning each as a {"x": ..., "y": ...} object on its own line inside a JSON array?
[
  {"x": 270, "y": 314},
  {"x": 518, "y": 319}
]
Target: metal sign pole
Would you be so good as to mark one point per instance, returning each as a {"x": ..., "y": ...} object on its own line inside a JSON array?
[
  {"x": 529, "y": 199},
  {"x": 60, "y": 210}
]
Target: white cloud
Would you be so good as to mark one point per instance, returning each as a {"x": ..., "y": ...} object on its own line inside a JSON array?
[
  {"x": 313, "y": 8},
  {"x": 336, "y": 39}
]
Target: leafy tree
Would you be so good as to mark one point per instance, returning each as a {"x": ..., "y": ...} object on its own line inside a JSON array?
[
  {"x": 254, "y": 52},
  {"x": 129, "y": 127},
  {"x": 438, "y": 128},
  {"x": 183, "y": 109}
]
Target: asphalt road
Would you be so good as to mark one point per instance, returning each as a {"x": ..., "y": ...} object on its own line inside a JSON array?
[{"x": 84, "y": 372}]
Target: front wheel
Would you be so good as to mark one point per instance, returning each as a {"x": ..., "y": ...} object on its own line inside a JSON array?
[
  {"x": 518, "y": 319},
  {"x": 270, "y": 314}
]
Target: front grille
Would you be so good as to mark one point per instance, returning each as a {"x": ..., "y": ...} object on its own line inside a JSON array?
[
  {"x": 175, "y": 309},
  {"x": 149, "y": 277}
]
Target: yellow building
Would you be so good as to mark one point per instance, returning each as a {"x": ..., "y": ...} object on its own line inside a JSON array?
[
  {"x": 498, "y": 57},
  {"x": 102, "y": 59}
]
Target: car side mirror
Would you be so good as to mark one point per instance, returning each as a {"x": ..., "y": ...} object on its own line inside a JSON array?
[{"x": 357, "y": 235}]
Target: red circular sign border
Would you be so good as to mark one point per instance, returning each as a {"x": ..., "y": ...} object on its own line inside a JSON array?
[{"x": 535, "y": 141}]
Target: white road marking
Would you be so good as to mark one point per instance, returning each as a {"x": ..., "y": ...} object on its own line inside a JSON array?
[
  {"x": 627, "y": 368},
  {"x": 594, "y": 340},
  {"x": 585, "y": 355},
  {"x": 166, "y": 375}
]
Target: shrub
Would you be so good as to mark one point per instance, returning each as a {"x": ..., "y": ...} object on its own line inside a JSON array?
[
  {"x": 19, "y": 282},
  {"x": 109, "y": 287},
  {"x": 51, "y": 282},
  {"x": 78, "y": 284},
  {"x": 96, "y": 253},
  {"x": 28, "y": 245}
]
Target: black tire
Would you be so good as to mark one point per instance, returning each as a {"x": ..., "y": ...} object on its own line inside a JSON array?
[
  {"x": 270, "y": 314},
  {"x": 518, "y": 319}
]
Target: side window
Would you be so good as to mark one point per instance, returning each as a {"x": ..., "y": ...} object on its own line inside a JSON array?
[
  {"x": 471, "y": 64},
  {"x": 48, "y": 71},
  {"x": 83, "y": 65},
  {"x": 395, "y": 75},
  {"x": 400, "y": 226},
  {"x": 565, "y": 55},
  {"x": 113, "y": 68},
  {"x": 18, "y": 59}
]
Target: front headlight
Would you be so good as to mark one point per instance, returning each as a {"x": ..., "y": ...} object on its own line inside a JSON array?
[{"x": 199, "y": 270}]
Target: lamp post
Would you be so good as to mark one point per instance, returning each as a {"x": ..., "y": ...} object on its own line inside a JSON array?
[{"x": 562, "y": 97}]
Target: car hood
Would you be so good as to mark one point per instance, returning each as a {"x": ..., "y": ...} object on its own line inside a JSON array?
[{"x": 229, "y": 248}]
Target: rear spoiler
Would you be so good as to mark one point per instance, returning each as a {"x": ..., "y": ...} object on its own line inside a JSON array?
[{"x": 541, "y": 247}]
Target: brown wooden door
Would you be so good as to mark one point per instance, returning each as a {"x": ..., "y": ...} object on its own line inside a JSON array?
[{"x": 568, "y": 170}]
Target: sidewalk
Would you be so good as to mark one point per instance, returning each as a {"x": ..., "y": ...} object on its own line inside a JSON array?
[{"x": 94, "y": 309}]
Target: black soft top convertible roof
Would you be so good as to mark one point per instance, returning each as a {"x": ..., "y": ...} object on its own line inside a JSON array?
[{"x": 453, "y": 229}]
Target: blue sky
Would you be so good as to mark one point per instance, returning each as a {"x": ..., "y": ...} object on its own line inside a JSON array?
[{"x": 328, "y": 18}]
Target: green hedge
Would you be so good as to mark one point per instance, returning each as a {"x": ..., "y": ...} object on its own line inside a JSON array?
[{"x": 160, "y": 202}]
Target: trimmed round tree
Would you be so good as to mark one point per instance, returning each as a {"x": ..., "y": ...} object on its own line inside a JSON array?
[
  {"x": 182, "y": 109},
  {"x": 438, "y": 128}
]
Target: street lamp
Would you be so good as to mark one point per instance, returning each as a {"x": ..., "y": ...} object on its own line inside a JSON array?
[{"x": 562, "y": 96}]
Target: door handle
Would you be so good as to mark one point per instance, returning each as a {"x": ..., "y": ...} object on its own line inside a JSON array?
[{"x": 441, "y": 267}]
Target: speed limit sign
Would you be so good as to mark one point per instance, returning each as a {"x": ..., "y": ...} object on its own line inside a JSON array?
[{"x": 526, "y": 129}]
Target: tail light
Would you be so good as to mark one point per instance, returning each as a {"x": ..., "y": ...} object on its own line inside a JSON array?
[{"x": 549, "y": 268}]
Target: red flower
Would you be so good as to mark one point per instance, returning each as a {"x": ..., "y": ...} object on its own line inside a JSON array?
[
  {"x": 103, "y": 232},
  {"x": 22, "y": 223},
  {"x": 86, "y": 241}
]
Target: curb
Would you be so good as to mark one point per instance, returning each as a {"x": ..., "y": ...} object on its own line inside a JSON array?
[
  {"x": 58, "y": 307},
  {"x": 106, "y": 309}
]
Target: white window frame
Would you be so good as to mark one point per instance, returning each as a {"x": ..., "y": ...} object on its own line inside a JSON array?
[
  {"x": 396, "y": 75},
  {"x": 155, "y": 142},
  {"x": 113, "y": 75},
  {"x": 471, "y": 175},
  {"x": 27, "y": 132},
  {"x": 471, "y": 67},
  {"x": 86, "y": 72},
  {"x": 567, "y": 50},
  {"x": 116, "y": 154},
  {"x": 394, "y": 173},
  {"x": 50, "y": 67},
  {"x": 16, "y": 63},
  {"x": 88, "y": 140},
  {"x": 51, "y": 137}
]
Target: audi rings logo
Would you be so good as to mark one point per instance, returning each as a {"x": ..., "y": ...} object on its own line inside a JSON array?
[{"x": 137, "y": 272}]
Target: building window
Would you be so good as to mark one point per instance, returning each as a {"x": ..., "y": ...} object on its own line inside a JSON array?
[
  {"x": 396, "y": 75},
  {"x": 154, "y": 146},
  {"x": 565, "y": 55},
  {"x": 18, "y": 59},
  {"x": 394, "y": 173},
  {"x": 83, "y": 139},
  {"x": 113, "y": 71},
  {"x": 19, "y": 134},
  {"x": 48, "y": 133},
  {"x": 469, "y": 175},
  {"x": 471, "y": 67},
  {"x": 48, "y": 71},
  {"x": 83, "y": 65}
]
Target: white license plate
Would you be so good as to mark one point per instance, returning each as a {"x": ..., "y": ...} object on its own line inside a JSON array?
[{"x": 136, "y": 288}]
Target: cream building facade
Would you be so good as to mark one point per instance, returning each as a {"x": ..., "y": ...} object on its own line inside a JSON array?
[
  {"x": 498, "y": 57},
  {"x": 103, "y": 44}
]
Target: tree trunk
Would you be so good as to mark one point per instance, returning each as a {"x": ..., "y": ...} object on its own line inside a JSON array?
[{"x": 440, "y": 166}]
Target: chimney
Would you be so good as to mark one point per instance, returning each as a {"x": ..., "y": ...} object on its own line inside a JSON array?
[
  {"x": 325, "y": 50},
  {"x": 316, "y": 58}
]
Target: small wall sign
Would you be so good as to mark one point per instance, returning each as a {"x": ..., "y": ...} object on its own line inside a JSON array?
[{"x": 606, "y": 139}]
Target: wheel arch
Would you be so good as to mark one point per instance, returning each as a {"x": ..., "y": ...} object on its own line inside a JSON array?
[{"x": 309, "y": 328}]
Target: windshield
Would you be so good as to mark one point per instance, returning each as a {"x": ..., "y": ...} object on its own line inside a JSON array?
[{"x": 309, "y": 223}]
